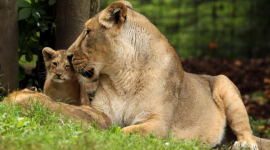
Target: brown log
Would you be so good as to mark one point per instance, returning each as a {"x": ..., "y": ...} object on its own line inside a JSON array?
[{"x": 9, "y": 44}]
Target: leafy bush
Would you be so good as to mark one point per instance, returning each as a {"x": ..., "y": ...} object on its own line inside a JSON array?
[
  {"x": 260, "y": 128},
  {"x": 34, "y": 19},
  {"x": 224, "y": 28}
]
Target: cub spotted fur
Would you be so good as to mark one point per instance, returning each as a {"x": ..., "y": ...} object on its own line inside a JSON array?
[
  {"x": 143, "y": 87},
  {"x": 61, "y": 82},
  {"x": 88, "y": 115}
]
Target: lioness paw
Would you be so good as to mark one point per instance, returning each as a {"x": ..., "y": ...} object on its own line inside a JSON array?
[
  {"x": 239, "y": 145},
  {"x": 130, "y": 129}
]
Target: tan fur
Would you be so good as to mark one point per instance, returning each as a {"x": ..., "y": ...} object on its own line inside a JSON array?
[
  {"x": 65, "y": 88},
  {"x": 143, "y": 88},
  {"x": 26, "y": 98}
]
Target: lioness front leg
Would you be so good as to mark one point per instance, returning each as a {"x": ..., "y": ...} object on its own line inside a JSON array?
[{"x": 228, "y": 98}]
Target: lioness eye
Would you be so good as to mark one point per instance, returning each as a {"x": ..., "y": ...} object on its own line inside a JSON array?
[
  {"x": 55, "y": 63},
  {"x": 87, "y": 31},
  {"x": 67, "y": 66}
]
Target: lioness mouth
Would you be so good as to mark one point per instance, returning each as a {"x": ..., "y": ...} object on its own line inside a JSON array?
[{"x": 88, "y": 74}]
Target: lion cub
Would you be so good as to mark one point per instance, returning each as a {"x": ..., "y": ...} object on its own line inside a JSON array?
[{"x": 61, "y": 82}]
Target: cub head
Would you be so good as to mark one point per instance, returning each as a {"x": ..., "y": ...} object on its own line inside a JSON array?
[
  {"x": 93, "y": 50},
  {"x": 57, "y": 65}
]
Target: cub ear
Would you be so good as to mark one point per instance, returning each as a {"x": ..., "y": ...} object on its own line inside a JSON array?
[
  {"x": 48, "y": 53},
  {"x": 114, "y": 14}
]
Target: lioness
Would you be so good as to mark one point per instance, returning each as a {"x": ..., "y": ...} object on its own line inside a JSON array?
[
  {"x": 143, "y": 88},
  {"x": 88, "y": 115},
  {"x": 61, "y": 83}
]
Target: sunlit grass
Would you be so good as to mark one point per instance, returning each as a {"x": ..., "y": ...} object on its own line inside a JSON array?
[{"x": 38, "y": 128}]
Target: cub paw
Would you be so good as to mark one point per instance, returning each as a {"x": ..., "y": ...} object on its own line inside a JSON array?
[{"x": 242, "y": 145}]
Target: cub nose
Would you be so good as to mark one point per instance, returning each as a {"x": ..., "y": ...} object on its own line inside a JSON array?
[{"x": 58, "y": 74}]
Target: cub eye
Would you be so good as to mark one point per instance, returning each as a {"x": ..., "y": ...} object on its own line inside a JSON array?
[
  {"x": 87, "y": 31},
  {"x": 67, "y": 66},
  {"x": 55, "y": 63}
]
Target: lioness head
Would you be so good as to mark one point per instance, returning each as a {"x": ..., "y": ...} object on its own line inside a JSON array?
[
  {"x": 91, "y": 51},
  {"x": 116, "y": 38},
  {"x": 57, "y": 65}
]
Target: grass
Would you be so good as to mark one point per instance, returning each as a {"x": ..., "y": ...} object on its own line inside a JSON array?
[
  {"x": 260, "y": 128},
  {"x": 38, "y": 128}
]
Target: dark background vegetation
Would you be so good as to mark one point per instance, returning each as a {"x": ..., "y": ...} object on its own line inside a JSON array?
[
  {"x": 217, "y": 28},
  {"x": 230, "y": 37}
]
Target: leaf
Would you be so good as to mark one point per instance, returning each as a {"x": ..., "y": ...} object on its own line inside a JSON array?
[
  {"x": 43, "y": 26},
  {"x": 25, "y": 13},
  {"x": 41, "y": 11},
  {"x": 35, "y": 14},
  {"x": 23, "y": 3},
  {"x": 29, "y": 56},
  {"x": 51, "y": 2}
]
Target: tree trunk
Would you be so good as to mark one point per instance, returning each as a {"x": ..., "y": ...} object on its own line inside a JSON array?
[
  {"x": 9, "y": 44},
  {"x": 94, "y": 7},
  {"x": 70, "y": 18}
]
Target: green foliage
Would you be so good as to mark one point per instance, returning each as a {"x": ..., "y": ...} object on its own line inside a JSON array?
[
  {"x": 24, "y": 13},
  {"x": 222, "y": 28},
  {"x": 2, "y": 90},
  {"x": 51, "y": 2},
  {"x": 38, "y": 128},
  {"x": 260, "y": 128},
  {"x": 2, "y": 93},
  {"x": 36, "y": 22},
  {"x": 259, "y": 97},
  {"x": 34, "y": 19}
]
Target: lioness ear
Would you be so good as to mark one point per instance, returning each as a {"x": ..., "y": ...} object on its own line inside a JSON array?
[
  {"x": 114, "y": 14},
  {"x": 47, "y": 53}
]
